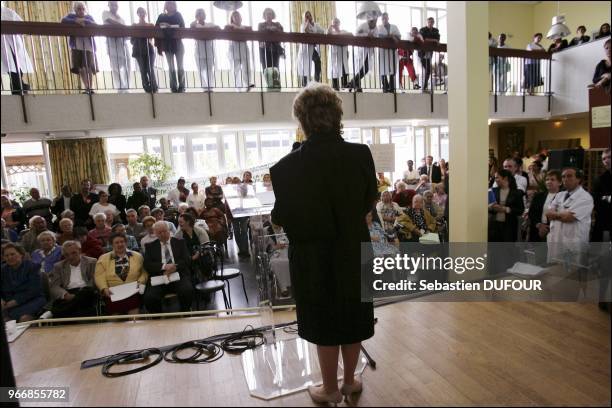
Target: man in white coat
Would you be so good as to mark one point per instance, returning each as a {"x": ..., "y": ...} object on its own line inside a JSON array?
[
  {"x": 365, "y": 56},
  {"x": 570, "y": 220},
  {"x": 337, "y": 65},
  {"x": 15, "y": 58},
  {"x": 309, "y": 52},
  {"x": 117, "y": 49},
  {"x": 387, "y": 57}
]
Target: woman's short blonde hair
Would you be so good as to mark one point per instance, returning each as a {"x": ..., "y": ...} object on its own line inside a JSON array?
[{"x": 319, "y": 110}]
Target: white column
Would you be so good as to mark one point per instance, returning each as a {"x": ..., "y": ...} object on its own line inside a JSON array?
[{"x": 468, "y": 112}]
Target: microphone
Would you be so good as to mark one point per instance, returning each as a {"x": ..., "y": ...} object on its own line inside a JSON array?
[
  {"x": 244, "y": 343},
  {"x": 136, "y": 356}
]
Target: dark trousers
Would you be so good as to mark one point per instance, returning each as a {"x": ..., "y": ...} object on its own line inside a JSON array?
[
  {"x": 176, "y": 71},
  {"x": 241, "y": 234},
  {"x": 426, "y": 62},
  {"x": 83, "y": 304},
  {"x": 356, "y": 81},
  {"x": 343, "y": 80},
  {"x": 388, "y": 83},
  {"x": 316, "y": 58},
  {"x": 17, "y": 83},
  {"x": 154, "y": 294},
  {"x": 146, "y": 63}
]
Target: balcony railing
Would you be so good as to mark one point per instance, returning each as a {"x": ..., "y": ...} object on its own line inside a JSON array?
[{"x": 233, "y": 61}]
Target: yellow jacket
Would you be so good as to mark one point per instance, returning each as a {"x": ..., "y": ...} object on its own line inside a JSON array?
[
  {"x": 384, "y": 186},
  {"x": 408, "y": 227},
  {"x": 106, "y": 277}
]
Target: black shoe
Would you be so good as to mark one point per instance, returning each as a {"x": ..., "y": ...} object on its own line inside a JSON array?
[{"x": 416, "y": 86}]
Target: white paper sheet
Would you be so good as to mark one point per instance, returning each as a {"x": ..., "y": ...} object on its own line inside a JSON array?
[
  {"x": 430, "y": 238},
  {"x": 124, "y": 291},
  {"x": 164, "y": 280}
]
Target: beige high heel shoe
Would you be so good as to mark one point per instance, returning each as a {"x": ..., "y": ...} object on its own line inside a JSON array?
[
  {"x": 320, "y": 397},
  {"x": 349, "y": 389}
]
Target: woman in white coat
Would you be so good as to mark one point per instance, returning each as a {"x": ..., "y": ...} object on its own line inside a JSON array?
[
  {"x": 309, "y": 52},
  {"x": 337, "y": 65},
  {"x": 15, "y": 58},
  {"x": 240, "y": 54},
  {"x": 387, "y": 57},
  {"x": 205, "y": 51}
]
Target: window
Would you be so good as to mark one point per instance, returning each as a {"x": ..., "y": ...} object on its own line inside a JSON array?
[
  {"x": 120, "y": 151},
  {"x": 252, "y": 149},
  {"x": 419, "y": 143},
  {"x": 153, "y": 145},
  {"x": 205, "y": 156},
  {"x": 179, "y": 159},
  {"x": 230, "y": 152},
  {"x": 404, "y": 148},
  {"x": 25, "y": 168},
  {"x": 384, "y": 136},
  {"x": 444, "y": 143},
  {"x": 367, "y": 136},
  {"x": 274, "y": 145},
  {"x": 434, "y": 142},
  {"x": 352, "y": 135}
]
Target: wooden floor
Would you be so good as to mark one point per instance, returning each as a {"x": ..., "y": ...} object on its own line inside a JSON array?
[{"x": 427, "y": 354}]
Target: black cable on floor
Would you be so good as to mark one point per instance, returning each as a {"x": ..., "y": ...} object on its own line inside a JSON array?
[
  {"x": 203, "y": 352},
  {"x": 131, "y": 357}
]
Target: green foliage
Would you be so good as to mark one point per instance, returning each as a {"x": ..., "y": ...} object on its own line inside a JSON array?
[
  {"x": 21, "y": 194},
  {"x": 151, "y": 166}
]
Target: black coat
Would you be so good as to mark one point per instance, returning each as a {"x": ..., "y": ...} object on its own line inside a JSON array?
[
  {"x": 81, "y": 208},
  {"x": 136, "y": 200},
  {"x": 153, "y": 258},
  {"x": 535, "y": 216},
  {"x": 151, "y": 194},
  {"x": 507, "y": 231},
  {"x": 436, "y": 173},
  {"x": 603, "y": 209},
  {"x": 323, "y": 192}
]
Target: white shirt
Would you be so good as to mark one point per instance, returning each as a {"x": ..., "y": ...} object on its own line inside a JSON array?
[
  {"x": 549, "y": 198},
  {"x": 145, "y": 240},
  {"x": 66, "y": 203},
  {"x": 521, "y": 182},
  {"x": 174, "y": 197},
  {"x": 165, "y": 245},
  {"x": 107, "y": 15},
  {"x": 99, "y": 208},
  {"x": 580, "y": 203},
  {"x": 76, "y": 278},
  {"x": 196, "y": 201},
  {"x": 411, "y": 175}
]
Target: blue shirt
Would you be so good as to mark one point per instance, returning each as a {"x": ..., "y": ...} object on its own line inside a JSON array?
[
  {"x": 71, "y": 18},
  {"x": 47, "y": 262},
  {"x": 21, "y": 284}
]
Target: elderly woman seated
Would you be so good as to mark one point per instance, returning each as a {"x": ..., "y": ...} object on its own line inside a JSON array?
[
  {"x": 118, "y": 267},
  {"x": 388, "y": 211},
  {"x": 423, "y": 185},
  {"x": 416, "y": 221},
  {"x": 215, "y": 219},
  {"x": 65, "y": 231},
  {"x": 49, "y": 252},
  {"x": 380, "y": 244},
  {"x": 430, "y": 205},
  {"x": 149, "y": 235},
  {"x": 101, "y": 231},
  {"x": 192, "y": 234},
  {"x": 132, "y": 243},
  {"x": 21, "y": 291},
  {"x": 71, "y": 283},
  {"x": 402, "y": 195}
]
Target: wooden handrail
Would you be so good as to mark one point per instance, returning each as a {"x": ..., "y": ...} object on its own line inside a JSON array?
[{"x": 58, "y": 29}]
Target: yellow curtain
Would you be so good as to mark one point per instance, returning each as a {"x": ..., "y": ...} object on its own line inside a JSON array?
[
  {"x": 78, "y": 159},
  {"x": 323, "y": 13},
  {"x": 50, "y": 55}
]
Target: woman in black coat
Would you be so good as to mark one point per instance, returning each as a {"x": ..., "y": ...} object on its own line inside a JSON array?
[
  {"x": 504, "y": 212},
  {"x": 116, "y": 198},
  {"x": 325, "y": 224}
]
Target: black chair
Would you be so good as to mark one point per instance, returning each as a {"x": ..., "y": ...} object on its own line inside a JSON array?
[{"x": 205, "y": 277}]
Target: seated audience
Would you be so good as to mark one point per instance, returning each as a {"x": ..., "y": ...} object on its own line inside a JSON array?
[
  {"x": 133, "y": 227},
  {"x": 71, "y": 283},
  {"x": 215, "y": 220},
  {"x": 103, "y": 205},
  {"x": 196, "y": 199},
  {"x": 110, "y": 218},
  {"x": 604, "y": 31},
  {"x": 29, "y": 240},
  {"x": 601, "y": 78},
  {"x": 402, "y": 195},
  {"x": 143, "y": 212},
  {"x": 65, "y": 231},
  {"x": 504, "y": 212},
  {"x": 411, "y": 176},
  {"x": 89, "y": 246},
  {"x": 138, "y": 199},
  {"x": 416, "y": 221},
  {"x": 380, "y": 244},
  {"x": 580, "y": 38},
  {"x": 388, "y": 211},
  {"x": 431, "y": 206},
  {"x": 21, "y": 291},
  {"x": 49, "y": 252},
  {"x": 12, "y": 214},
  {"x": 37, "y": 205},
  {"x": 538, "y": 222},
  {"x": 423, "y": 185},
  {"x": 101, "y": 231},
  {"x": 194, "y": 236},
  {"x": 149, "y": 235},
  {"x": 132, "y": 244},
  {"x": 440, "y": 196},
  {"x": 166, "y": 256},
  {"x": 158, "y": 214},
  {"x": 118, "y": 267}
]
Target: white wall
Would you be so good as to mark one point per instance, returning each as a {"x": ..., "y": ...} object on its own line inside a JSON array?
[
  {"x": 572, "y": 72},
  {"x": 71, "y": 113}
]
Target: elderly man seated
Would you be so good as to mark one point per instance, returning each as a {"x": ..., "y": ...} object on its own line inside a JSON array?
[
  {"x": 133, "y": 227},
  {"x": 423, "y": 185},
  {"x": 49, "y": 252},
  {"x": 71, "y": 283},
  {"x": 29, "y": 241},
  {"x": 167, "y": 257},
  {"x": 159, "y": 215},
  {"x": 416, "y": 221},
  {"x": 402, "y": 195}
]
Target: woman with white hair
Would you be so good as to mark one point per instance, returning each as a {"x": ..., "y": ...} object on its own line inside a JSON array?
[
  {"x": 49, "y": 252},
  {"x": 416, "y": 221},
  {"x": 101, "y": 231},
  {"x": 65, "y": 231},
  {"x": 325, "y": 237}
]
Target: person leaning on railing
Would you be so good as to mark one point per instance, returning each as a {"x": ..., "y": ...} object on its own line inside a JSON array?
[
  {"x": 205, "y": 51},
  {"x": 308, "y": 53},
  {"x": 271, "y": 52},
  {"x": 15, "y": 58},
  {"x": 173, "y": 48},
  {"x": 601, "y": 78},
  {"x": 82, "y": 49},
  {"x": 337, "y": 64},
  {"x": 144, "y": 53}
]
